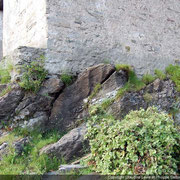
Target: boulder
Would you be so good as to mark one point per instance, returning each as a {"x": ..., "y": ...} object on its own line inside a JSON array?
[
  {"x": 69, "y": 146},
  {"x": 9, "y": 102},
  {"x": 51, "y": 86},
  {"x": 69, "y": 104},
  {"x": 37, "y": 123}
]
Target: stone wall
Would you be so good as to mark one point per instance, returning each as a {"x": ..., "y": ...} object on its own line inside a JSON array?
[
  {"x": 143, "y": 33},
  {"x": 78, "y": 34},
  {"x": 1, "y": 34},
  {"x": 24, "y": 24}
]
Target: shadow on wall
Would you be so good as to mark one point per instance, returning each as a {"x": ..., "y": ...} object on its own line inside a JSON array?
[{"x": 1, "y": 5}]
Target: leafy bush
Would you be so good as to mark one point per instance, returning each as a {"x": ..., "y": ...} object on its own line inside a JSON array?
[
  {"x": 174, "y": 72},
  {"x": 145, "y": 142},
  {"x": 148, "y": 78},
  {"x": 33, "y": 76},
  {"x": 67, "y": 79}
]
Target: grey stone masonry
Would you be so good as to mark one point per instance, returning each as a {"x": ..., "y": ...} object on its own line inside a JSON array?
[{"x": 78, "y": 34}]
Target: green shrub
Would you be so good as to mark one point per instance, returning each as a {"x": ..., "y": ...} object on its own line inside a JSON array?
[
  {"x": 33, "y": 76},
  {"x": 174, "y": 73},
  {"x": 159, "y": 74},
  {"x": 144, "y": 142},
  {"x": 148, "y": 78},
  {"x": 67, "y": 79}
]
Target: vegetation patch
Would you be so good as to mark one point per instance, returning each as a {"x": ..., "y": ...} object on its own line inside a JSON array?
[
  {"x": 174, "y": 72},
  {"x": 124, "y": 67},
  {"x": 106, "y": 103},
  {"x": 143, "y": 143},
  {"x": 30, "y": 161},
  {"x": 159, "y": 74},
  {"x": 148, "y": 78},
  {"x": 5, "y": 91},
  {"x": 67, "y": 79},
  {"x": 133, "y": 84},
  {"x": 33, "y": 76},
  {"x": 95, "y": 91},
  {"x": 147, "y": 97},
  {"x": 5, "y": 69}
]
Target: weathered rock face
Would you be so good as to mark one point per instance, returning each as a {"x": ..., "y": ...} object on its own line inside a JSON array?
[
  {"x": 70, "y": 103},
  {"x": 69, "y": 146},
  {"x": 161, "y": 94},
  {"x": 9, "y": 102}
]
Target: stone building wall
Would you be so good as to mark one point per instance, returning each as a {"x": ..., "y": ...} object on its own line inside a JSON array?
[
  {"x": 24, "y": 24},
  {"x": 1, "y": 34},
  {"x": 81, "y": 33},
  {"x": 143, "y": 33}
]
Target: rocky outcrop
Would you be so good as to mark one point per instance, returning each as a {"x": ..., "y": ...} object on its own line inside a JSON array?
[
  {"x": 160, "y": 93},
  {"x": 9, "y": 102},
  {"x": 69, "y": 146},
  {"x": 69, "y": 104}
]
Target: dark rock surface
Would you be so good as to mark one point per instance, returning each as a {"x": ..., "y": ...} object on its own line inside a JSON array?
[
  {"x": 9, "y": 102},
  {"x": 70, "y": 103},
  {"x": 69, "y": 146}
]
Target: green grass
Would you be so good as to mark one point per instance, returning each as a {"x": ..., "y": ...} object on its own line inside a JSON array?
[
  {"x": 133, "y": 84},
  {"x": 174, "y": 72},
  {"x": 30, "y": 161},
  {"x": 159, "y": 74},
  {"x": 148, "y": 78},
  {"x": 124, "y": 67},
  {"x": 5, "y": 91},
  {"x": 67, "y": 79},
  {"x": 106, "y": 103},
  {"x": 94, "y": 92}
]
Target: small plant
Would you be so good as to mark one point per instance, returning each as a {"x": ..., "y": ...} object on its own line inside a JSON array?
[
  {"x": 124, "y": 67},
  {"x": 106, "y": 103},
  {"x": 33, "y": 75},
  {"x": 147, "y": 97},
  {"x": 174, "y": 72},
  {"x": 5, "y": 91},
  {"x": 133, "y": 84},
  {"x": 95, "y": 91},
  {"x": 143, "y": 143},
  {"x": 148, "y": 78},
  {"x": 159, "y": 74},
  {"x": 67, "y": 79},
  {"x": 127, "y": 48}
]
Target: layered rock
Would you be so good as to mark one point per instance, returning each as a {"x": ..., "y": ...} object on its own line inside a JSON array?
[{"x": 69, "y": 104}]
